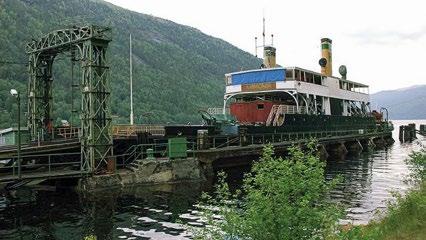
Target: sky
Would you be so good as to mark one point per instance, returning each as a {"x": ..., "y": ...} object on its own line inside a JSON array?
[{"x": 381, "y": 42}]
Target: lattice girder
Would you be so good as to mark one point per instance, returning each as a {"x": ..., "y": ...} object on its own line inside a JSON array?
[
  {"x": 90, "y": 43},
  {"x": 95, "y": 111}
]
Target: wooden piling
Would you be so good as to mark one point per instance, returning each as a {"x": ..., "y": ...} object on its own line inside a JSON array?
[
  {"x": 422, "y": 129},
  {"x": 412, "y": 129},
  {"x": 407, "y": 132}
]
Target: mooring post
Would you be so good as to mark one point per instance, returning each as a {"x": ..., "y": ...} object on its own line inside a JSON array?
[
  {"x": 423, "y": 129},
  {"x": 413, "y": 131},
  {"x": 401, "y": 133},
  {"x": 407, "y": 132}
]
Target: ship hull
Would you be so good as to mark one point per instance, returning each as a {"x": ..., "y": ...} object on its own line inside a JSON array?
[{"x": 311, "y": 123}]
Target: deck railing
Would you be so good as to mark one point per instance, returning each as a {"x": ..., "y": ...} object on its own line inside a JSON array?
[
  {"x": 34, "y": 166},
  {"x": 67, "y": 132},
  {"x": 216, "y": 142},
  {"x": 157, "y": 150},
  {"x": 218, "y": 111},
  {"x": 132, "y": 130}
]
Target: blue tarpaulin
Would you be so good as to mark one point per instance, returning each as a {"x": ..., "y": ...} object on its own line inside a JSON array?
[{"x": 260, "y": 76}]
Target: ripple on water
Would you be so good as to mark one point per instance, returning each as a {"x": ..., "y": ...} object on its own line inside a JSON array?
[{"x": 370, "y": 180}]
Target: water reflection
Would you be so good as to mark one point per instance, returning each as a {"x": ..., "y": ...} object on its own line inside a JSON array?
[
  {"x": 165, "y": 212},
  {"x": 370, "y": 179},
  {"x": 159, "y": 212}
]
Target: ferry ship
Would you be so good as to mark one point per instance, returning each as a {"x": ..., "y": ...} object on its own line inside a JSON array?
[{"x": 275, "y": 99}]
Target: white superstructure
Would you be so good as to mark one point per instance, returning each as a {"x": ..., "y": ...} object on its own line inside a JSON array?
[
  {"x": 254, "y": 94},
  {"x": 307, "y": 90}
]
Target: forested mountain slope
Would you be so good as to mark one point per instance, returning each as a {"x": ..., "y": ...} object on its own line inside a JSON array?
[{"x": 177, "y": 69}]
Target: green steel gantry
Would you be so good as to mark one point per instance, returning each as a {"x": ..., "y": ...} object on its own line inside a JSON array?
[{"x": 89, "y": 44}]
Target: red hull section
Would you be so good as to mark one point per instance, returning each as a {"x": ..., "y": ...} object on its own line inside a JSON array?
[{"x": 251, "y": 112}]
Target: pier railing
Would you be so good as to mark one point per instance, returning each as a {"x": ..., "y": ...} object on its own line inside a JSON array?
[
  {"x": 41, "y": 166},
  {"x": 67, "y": 132},
  {"x": 264, "y": 138},
  {"x": 218, "y": 111},
  {"x": 126, "y": 131},
  {"x": 158, "y": 150}
]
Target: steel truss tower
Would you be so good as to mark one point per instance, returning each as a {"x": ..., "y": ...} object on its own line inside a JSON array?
[{"x": 90, "y": 45}]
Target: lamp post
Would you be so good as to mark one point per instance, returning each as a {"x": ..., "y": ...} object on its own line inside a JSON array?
[{"x": 15, "y": 93}]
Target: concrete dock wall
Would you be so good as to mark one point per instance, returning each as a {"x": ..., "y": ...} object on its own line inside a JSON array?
[{"x": 148, "y": 172}]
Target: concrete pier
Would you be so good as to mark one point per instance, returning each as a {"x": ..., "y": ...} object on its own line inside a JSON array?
[
  {"x": 151, "y": 172},
  {"x": 379, "y": 142},
  {"x": 322, "y": 152},
  {"x": 176, "y": 162},
  {"x": 337, "y": 151},
  {"x": 367, "y": 144},
  {"x": 354, "y": 147}
]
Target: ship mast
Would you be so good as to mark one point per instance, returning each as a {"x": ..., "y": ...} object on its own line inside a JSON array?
[
  {"x": 131, "y": 81},
  {"x": 269, "y": 51}
]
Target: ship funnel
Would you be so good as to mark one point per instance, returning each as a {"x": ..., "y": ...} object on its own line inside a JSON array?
[
  {"x": 326, "y": 60},
  {"x": 269, "y": 53}
]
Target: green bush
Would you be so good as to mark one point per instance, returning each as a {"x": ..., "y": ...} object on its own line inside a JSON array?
[
  {"x": 281, "y": 198},
  {"x": 417, "y": 160}
]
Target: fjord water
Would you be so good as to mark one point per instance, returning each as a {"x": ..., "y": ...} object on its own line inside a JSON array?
[{"x": 167, "y": 211}]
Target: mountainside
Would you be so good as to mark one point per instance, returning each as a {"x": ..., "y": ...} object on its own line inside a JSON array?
[
  {"x": 177, "y": 69},
  {"x": 405, "y": 103}
]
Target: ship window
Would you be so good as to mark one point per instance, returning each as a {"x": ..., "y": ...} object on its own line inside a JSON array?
[
  {"x": 260, "y": 106},
  {"x": 289, "y": 73},
  {"x": 228, "y": 80},
  {"x": 309, "y": 77},
  {"x": 297, "y": 75},
  {"x": 317, "y": 79}
]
